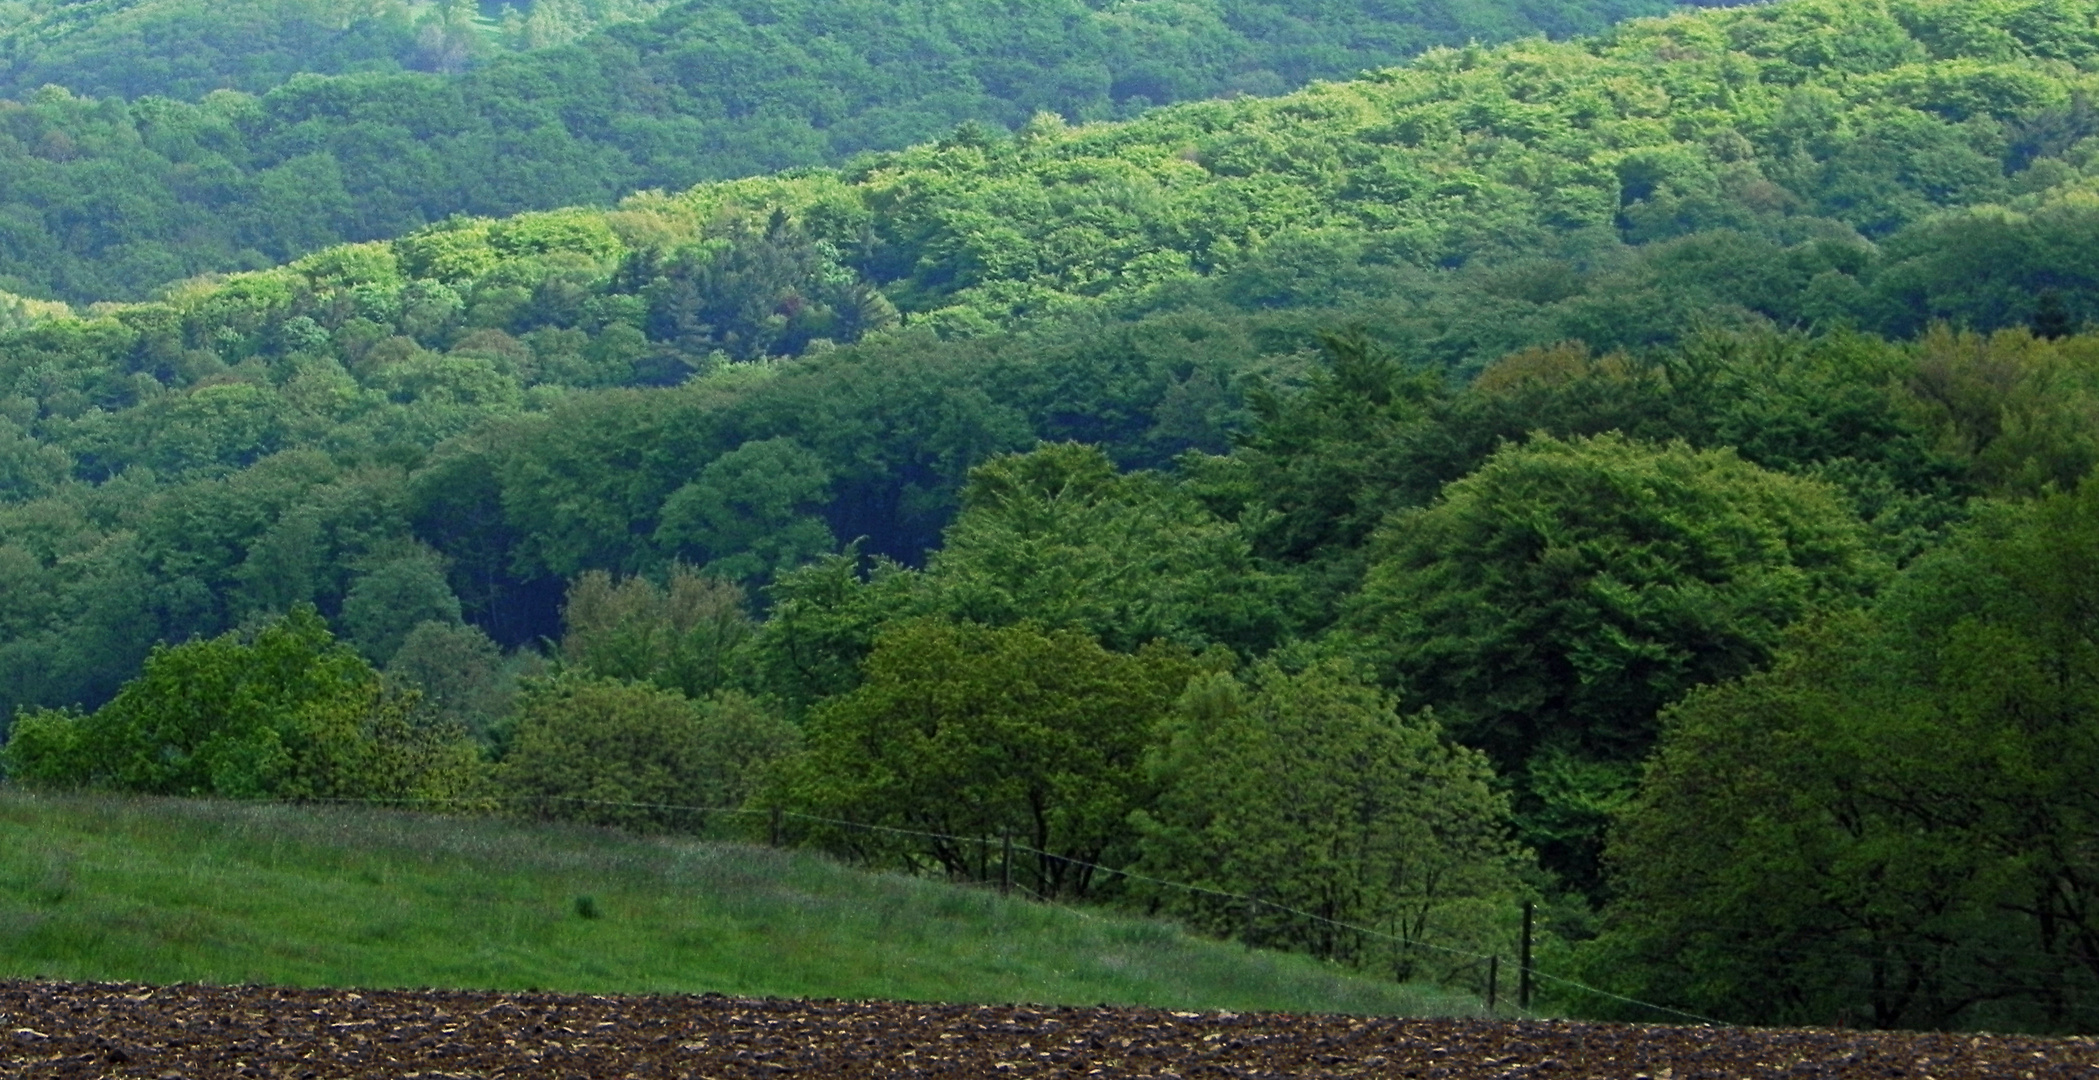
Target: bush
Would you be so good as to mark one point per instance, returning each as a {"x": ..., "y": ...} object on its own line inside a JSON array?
[
  {"x": 635, "y": 756},
  {"x": 291, "y": 713}
]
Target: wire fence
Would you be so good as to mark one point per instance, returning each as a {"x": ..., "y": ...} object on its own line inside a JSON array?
[
  {"x": 1800, "y": 952},
  {"x": 1795, "y": 952},
  {"x": 1007, "y": 845}
]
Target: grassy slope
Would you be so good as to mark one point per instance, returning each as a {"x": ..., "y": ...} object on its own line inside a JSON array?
[{"x": 168, "y": 891}]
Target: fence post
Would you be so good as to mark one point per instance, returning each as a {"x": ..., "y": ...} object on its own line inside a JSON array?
[
  {"x": 776, "y": 826},
  {"x": 1523, "y": 984},
  {"x": 1005, "y": 863},
  {"x": 1246, "y": 924},
  {"x": 1493, "y": 979}
]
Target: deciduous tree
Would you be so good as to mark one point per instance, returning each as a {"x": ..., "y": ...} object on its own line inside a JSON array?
[
  {"x": 1312, "y": 791},
  {"x": 971, "y": 732}
]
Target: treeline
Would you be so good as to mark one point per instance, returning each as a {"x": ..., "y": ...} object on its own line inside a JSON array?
[
  {"x": 1559, "y": 153},
  {"x": 107, "y": 199},
  {"x": 1295, "y": 670},
  {"x": 833, "y": 490}
]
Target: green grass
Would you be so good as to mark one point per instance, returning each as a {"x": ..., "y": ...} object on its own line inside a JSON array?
[{"x": 97, "y": 887}]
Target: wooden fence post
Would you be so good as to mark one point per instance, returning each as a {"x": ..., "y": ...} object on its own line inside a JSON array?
[{"x": 1523, "y": 984}]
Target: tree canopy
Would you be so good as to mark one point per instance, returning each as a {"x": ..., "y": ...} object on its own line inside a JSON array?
[
  {"x": 1895, "y": 817},
  {"x": 1310, "y": 791},
  {"x": 150, "y": 140},
  {"x": 1683, "y": 431},
  {"x": 971, "y": 732},
  {"x": 290, "y": 714}
]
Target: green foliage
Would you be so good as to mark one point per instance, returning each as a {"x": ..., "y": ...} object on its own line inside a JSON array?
[
  {"x": 1059, "y": 538},
  {"x": 1321, "y": 467},
  {"x": 628, "y": 754},
  {"x": 459, "y": 675},
  {"x": 2018, "y": 411},
  {"x": 418, "y": 117},
  {"x": 1638, "y": 570},
  {"x": 1551, "y": 381},
  {"x": 29, "y": 468},
  {"x": 182, "y": 49},
  {"x": 1888, "y": 820},
  {"x": 1311, "y": 791},
  {"x": 292, "y": 714},
  {"x": 751, "y": 513},
  {"x": 974, "y": 732},
  {"x": 1722, "y": 164},
  {"x": 1559, "y": 597},
  {"x": 688, "y": 636},
  {"x": 824, "y": 621},
  {"x": 1993, "y": 266},
  {"x": 394, "y": 597},
  {"x": 745, "y": 292},
  {"x": 1054, "y": 538}
]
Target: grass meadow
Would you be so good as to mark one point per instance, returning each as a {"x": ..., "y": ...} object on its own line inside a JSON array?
[{"x": 97, "y": 887}]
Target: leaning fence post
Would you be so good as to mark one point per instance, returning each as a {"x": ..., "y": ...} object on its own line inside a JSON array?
[
  {"x": 776, "y": 826},
  {"x": 1523, "y": 984},
  {"x": 1005, "y": 863}
]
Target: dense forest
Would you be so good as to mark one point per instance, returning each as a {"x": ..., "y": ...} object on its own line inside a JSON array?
[
  {"x": 185, "y": 50},
  {"x": 170, "y": 138},
  {"x": 1640, "y": 473}
]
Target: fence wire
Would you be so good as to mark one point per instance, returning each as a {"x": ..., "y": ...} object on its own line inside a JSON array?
[{"x": 1021, "y": 848}]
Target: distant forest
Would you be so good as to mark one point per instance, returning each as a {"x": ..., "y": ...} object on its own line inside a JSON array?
[
  {"x": 1644, "y": 474},
  {"x": 124, "y": 167}
]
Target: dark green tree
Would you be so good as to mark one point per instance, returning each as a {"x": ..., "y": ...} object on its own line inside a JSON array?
[
  {"x": 460, "y": 676},
  {"x": 400, "y": 592},
  {"x": 751, "y": 513},
  {"x": 1550, "y": 605},
  {"x": 1888, "y": 826},
  {"x": 824, "y": 621},
  {"x": 635, "y": 756}
]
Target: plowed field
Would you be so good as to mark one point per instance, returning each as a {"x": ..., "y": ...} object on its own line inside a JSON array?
[{"x": 116, "y": 1029}]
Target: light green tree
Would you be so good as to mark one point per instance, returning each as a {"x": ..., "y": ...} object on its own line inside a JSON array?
[
  {"x": 689, "y": 635},
  {"x": 291, "y": 713},
  {"x": 972, "y": 732},
  {"x": 1312, "y": 791},
  {"x": 1060, "y": 537}
]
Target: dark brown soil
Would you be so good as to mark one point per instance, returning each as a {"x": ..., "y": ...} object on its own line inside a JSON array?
[{"x": 50, "y": 1029}]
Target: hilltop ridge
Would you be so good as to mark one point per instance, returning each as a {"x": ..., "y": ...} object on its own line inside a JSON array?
[{"x": 266, "y": 130}]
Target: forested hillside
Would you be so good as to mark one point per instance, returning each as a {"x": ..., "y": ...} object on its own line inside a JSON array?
[
  {"x": 104, "y": 199},
  {"x": 1679, "y": 431},
  {"x": 183, "y": 49}
]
